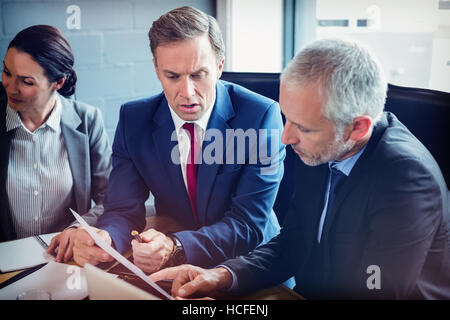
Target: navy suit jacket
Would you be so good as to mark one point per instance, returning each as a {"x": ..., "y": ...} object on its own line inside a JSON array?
[
  {"x": 392, "y": 212},
  {"x": 234, "y": 201}
]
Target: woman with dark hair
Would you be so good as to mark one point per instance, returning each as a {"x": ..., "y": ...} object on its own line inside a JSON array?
[{"x": 54, "y": 152}]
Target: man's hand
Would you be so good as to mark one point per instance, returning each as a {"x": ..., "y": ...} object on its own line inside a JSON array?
[
  {"x": 64, "y": 243},
  {"x": 189, "y": 279},
  {"x": 85, "y": 250},
  {"x": 153, "y": 253}
]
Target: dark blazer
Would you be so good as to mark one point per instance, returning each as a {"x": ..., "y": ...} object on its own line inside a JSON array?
[
  {"x": 89, "y": 154},
  {"x": 234, "y": 201},
  {"x": 391, "y": 212}
]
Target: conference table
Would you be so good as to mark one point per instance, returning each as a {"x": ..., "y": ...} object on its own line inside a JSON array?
[{"x": 165, "y": 225}]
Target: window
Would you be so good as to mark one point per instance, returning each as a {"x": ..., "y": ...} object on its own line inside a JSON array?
[
  {"x": 253, "y": 31},
  {"x": 411, "y": 38}
]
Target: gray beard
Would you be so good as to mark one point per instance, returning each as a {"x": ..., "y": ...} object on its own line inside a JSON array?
[{"x": 337, "y": 149}]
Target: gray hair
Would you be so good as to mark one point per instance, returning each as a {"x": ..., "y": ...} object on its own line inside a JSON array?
[
  {"x": 349, "y": 77},
  {"x": 186, "y": 23}
]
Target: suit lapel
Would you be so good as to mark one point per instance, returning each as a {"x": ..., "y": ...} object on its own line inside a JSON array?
[
  {"x": 222, "y": 112},
  {"x": 166, "y": 148},
  {"x": 316, "y": 200},
  {"x": 75, "y": 142},
  {"x": 305, "y": 211},
  {"x": 355, "y": 176},
  {"x": 7, "y": 231},
  {"x": 347, "y": 186},
  {"x": 5, "y": 137}
]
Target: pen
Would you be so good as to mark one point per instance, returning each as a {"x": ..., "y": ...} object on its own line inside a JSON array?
[
  {"x": 136, "y": 235},
  {"x": 41, "y": 242}
]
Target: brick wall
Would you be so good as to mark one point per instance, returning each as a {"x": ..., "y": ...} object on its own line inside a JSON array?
[{"x": 112, "y": 54}]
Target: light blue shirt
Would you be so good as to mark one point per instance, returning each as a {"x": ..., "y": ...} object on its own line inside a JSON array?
[{"x": 345, "y": 166}]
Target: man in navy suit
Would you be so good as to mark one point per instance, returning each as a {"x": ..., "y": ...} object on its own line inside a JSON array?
[
  {"x": 370, "y": 215},
  {"x": 212, "y": 184}
]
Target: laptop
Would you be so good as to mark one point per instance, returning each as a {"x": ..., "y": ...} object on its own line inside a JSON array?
[{"x": 107, "y": 286}]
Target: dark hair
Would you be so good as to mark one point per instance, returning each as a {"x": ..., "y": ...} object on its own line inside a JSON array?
[
  {"x": 48, "y": 47},
  {"x": 185, "y": 23}
]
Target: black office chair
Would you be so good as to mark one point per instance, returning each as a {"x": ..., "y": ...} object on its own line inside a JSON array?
[{"x": 426, "y": 113}]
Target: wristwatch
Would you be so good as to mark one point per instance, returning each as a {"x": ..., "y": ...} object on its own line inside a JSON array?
[{"x": 178, "y": 255}]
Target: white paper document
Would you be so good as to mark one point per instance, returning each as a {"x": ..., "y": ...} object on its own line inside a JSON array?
[
  {"x": 24, "y": 253},
  {"x": 106, "y": 286},
  {"x": 116, "y": 255},
  {"x": 62, "y": 281}
]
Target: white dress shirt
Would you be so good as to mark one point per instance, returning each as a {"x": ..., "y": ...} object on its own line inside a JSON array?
[
  {"x": 39, "y": 181},
  {"x": 184, "y": 142}
]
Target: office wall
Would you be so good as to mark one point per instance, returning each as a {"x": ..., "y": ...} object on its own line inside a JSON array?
[{"x": 109, "y": 40}]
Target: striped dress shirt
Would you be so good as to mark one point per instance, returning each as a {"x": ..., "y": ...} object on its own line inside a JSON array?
[{"x": 39, "y": 182}]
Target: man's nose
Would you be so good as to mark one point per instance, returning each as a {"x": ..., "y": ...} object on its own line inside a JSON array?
[
  {"x": 187, "y": 88},
  {"x": 288, "y": 136}
]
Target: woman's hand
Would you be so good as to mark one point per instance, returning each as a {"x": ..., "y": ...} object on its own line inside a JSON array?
[{"x": 64, "y": 243}]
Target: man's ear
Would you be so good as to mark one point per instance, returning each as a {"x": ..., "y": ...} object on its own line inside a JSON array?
[
  {"x": 360, "y": 127},
  {"x": 220, "y": 67}
]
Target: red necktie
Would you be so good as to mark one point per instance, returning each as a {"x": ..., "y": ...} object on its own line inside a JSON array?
[{"x": 191, "y": 169}]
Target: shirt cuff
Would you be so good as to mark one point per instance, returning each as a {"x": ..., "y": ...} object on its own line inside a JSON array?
[{"x": 234, "y": 283}]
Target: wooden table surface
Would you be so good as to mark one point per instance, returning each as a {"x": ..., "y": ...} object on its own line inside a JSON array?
[{"x": 164, "y": 224}]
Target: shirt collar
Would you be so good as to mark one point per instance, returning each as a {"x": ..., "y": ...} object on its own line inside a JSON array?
[
  {"x": 346, "y": 165},
  {"x": 202, "y": 122},
  {"x": 13, "y": 120},
  {"x": 55, "y": 117}
]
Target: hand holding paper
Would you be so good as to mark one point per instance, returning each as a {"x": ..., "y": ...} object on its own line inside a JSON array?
[
  {"x": 97, "y": 237},
  {"x": 85, "y": 250},
  {"x": 153, "y": 252}
]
